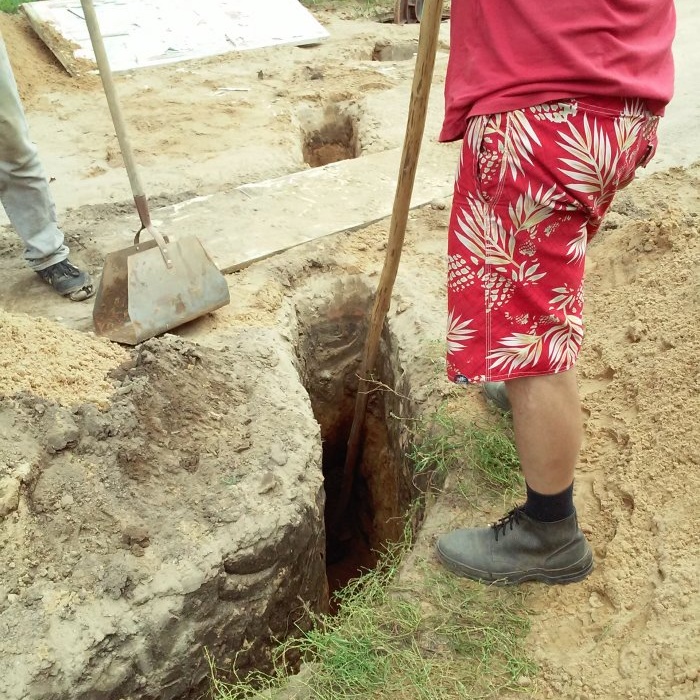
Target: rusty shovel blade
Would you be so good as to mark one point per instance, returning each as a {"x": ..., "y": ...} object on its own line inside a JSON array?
[{"x": 140, "y": 296}]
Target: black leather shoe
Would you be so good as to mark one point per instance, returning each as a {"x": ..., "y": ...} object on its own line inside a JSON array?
[
  {"x": 517, "y": 549},
  {"x": 68, "y": 280}
]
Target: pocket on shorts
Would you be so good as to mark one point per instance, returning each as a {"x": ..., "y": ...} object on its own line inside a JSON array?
[
  {"x": 646, "y": 149},
  {"x": 652, "y": 143},
  {"x": 488, "y": 155}
]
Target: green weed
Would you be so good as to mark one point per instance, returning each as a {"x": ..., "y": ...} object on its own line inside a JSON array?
[
  {"x": 444, "y": 442},
  {"x": 436, "y": 445},
  {"x": 434, "y": 638},
  {"x": 12, "y": 5},
  {"x": 493, "y": 454}
]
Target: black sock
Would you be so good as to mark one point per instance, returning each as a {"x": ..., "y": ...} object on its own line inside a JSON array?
[{"x": 549, "y": 509}]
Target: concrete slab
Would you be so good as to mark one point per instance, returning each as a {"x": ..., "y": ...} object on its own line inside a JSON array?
[
  {"x": 143, "y": 33},
  {"x": 258, "y": 220}
]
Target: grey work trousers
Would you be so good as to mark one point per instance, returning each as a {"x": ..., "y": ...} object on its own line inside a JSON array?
[{"x": 24, "y": 189}]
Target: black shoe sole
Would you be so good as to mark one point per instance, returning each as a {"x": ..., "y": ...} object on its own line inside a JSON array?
[{"x": 571, "y": 574}]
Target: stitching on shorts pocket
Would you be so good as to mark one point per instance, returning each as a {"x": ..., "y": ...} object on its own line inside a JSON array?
[
  {"x": 584, "y": 106},
  {"x": 474, "y": 136},
  {"x": 652, "y": 140},
  {"x": 488, "y": 156}
]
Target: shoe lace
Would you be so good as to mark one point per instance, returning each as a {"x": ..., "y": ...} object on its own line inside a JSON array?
[
  {"x": 59, "y": 269},
  {"x": 507, "y": 522},
  {"x": 66, "y": 268}
]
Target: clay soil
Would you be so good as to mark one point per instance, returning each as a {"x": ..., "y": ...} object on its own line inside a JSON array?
[{"x": 631, "y": 629}]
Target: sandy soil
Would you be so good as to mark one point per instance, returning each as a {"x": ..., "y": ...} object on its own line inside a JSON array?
[
  {"x": 631, "y": 629},
  {"x": 61, "y": 365},
  {"x": 188, "y": 134}
]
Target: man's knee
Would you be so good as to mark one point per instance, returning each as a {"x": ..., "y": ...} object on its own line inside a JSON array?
[{"x": 539, "y": 385}]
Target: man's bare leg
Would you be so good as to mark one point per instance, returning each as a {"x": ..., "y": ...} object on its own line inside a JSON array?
[
  {"x": 548, "y": 429},
  {"x": 540, "y": 541}
]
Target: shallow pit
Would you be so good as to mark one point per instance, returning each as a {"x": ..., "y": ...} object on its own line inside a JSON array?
[
  {"x": 331, "y": 340},
  {"x": 394, "y": 51},
  {"x": 330, "y": 135}
]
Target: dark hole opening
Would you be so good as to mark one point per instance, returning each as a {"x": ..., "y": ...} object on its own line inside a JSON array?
[
  {"x": 351, "y": 539},
  {"x": 330, "y": 139},
  {"x": 330, "y": 350}
]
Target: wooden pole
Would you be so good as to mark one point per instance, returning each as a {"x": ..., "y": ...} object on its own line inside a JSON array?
[{"x": 418, "y": 107}]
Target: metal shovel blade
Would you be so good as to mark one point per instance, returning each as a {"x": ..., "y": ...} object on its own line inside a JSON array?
[{"x": 140, "y": 296}]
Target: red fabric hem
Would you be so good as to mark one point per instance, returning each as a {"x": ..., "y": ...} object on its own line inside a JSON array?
[{"x": 501, "y": 377}]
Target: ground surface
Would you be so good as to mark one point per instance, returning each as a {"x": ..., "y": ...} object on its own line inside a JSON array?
[{"x": 631, "y": 629}]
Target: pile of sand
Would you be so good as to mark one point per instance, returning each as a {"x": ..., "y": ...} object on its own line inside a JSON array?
[
  {"x": 37, "y": 71},
  {"x": 42, "y": 358}
]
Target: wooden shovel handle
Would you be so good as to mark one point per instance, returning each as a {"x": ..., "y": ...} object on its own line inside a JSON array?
[
  {"x": 115, "y": 110},
  {"x": 418, "y": 107}
]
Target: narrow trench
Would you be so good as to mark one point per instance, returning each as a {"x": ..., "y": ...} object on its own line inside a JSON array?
[
  {"x": 330, "y": 345},
  {"x": 353, "y": 540}
]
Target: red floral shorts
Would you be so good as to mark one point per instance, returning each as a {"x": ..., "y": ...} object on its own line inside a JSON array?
[{"x": 532, "y": 188}]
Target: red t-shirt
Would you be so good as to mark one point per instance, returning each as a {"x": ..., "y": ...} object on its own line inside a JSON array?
[{"x": 510, "y": 54}]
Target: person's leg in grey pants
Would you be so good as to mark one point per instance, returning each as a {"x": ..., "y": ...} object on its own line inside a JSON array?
[{"x": 25, "y": 196}]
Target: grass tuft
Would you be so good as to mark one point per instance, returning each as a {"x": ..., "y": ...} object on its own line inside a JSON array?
[
  {"x": 436, "y": 637},
  {"x": 11, "y": 6},
  {"x": 445, "y": 442}
]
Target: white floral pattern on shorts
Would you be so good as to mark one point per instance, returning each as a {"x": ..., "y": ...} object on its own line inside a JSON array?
[{"x": 532, "y": 188}]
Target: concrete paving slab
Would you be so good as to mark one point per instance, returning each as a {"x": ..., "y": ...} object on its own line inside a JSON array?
[
  {"x": 258, "y": 220},
  {"x": 155, "y": 32},
  {"x": 679, "y": 131}
]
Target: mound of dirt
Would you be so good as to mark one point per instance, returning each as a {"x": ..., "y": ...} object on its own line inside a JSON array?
[
  {"x": 36, "y": 69},
  {"x": 134, "y": 538},
  {"x": 39, "y": 357},
  {"x": 636, "y": 620}
]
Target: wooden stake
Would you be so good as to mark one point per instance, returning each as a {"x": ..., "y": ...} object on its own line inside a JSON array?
[{"x": 418, "y": 107}]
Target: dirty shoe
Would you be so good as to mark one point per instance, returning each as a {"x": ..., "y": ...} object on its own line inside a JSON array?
[
  {"x": 68, "y": 280},
  {"x": 496, "y": 393},
  {"x": 518, "y": 548}
]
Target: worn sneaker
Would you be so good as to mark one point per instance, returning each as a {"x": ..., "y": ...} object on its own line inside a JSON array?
[
  {"x": 496, "y": 393},
  {"x": 68, "y": 280},
  {"x": 517, "y": 549}
]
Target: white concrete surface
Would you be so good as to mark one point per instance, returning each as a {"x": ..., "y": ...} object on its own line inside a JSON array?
[
  {"x": 679, "y": 133},
  {"x": 156, "y": 32}
]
